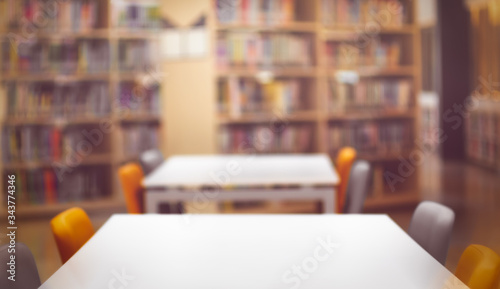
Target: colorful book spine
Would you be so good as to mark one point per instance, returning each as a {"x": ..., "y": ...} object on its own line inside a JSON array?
[
  {"x": 136, "y": 14},
  {"x": 371, "y": 137},
  {"x": 387, "y": 13},
  {"x": 66, "y": 56},
  {"x": 244, "y": 95},
  {"x": 139, "y": 100},
  {"x": 264, "y": 51},
  {"x": 381, "y": 54},
  {"x": 45, "y": 100},
  {"x": 73, "y": 15},
  {"x": 41, "y": 186},
  {"x": 269, "y": 12},
  {"x": 380, "y": 95}
]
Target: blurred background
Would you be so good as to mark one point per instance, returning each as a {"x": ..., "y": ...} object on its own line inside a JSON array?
[{"x": 87, "y": 85}]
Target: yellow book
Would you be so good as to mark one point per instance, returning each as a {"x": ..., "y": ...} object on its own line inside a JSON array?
[
  {"x": 14, "y": 60},
  {"x": 274, "y": 96}
]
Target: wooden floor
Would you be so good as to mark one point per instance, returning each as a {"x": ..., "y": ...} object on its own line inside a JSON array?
[{"x": 473, "y": 193}]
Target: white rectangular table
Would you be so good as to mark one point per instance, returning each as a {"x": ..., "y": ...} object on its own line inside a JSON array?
[
  {"x": 251, "y": 252},
  {"x": 198, "y": 179}
]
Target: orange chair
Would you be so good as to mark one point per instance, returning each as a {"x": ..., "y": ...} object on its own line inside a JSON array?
[
  {"x": 345, "y": 159},
  {"x": 131, "y": 176},
  {"x": 71, "y": 229},
  {"x": 478, "y": 267}
]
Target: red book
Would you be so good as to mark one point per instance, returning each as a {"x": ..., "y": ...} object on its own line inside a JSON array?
[
  {"x": 244, "y": 11},
  {"x": 55, "y": 144},
  {"x": 27, "y": 10},
  {"x": 50, "y": 187}
]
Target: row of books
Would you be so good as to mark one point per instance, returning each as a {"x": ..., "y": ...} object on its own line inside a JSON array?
[
  {"x": 245, "y": 95},
  {"x": 296, "y": 138},
  {"x": 139, "y": 100},
  {"x": 42, "y": 186},
  {"x": 352, "y": 12},
  {"x": 75, "y": 15},
  {"x": 140, "y": 137},
  {"x": 255, "y": 11},
  {"x": 482, "y": 136},
  {"x": 136, "y": 55},
  {"x": 133, "y": 15},
  {"x": 372, "y": 137},
  {"x": 375, "y": 53},
  {"x": 32, "y": 143},
  {"x": 50, "y": 100},
  {"x": 370, "y": 94},
  {"x": 68, "y": 56},
  {"x": 263, "y": 50}
]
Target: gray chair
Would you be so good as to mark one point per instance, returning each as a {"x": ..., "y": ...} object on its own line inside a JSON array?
[
  {"x": 26, "y": 272},
  {"x": 431, "y": 227},
  {"x": 357, "y": 187},
  {"x": 150, "y": 160}
]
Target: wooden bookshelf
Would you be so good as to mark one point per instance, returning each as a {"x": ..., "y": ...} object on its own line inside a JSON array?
[
  {"x": 290, "y": 26},
  {"x": 308, "y": 19},
  {"x": 111, "y": 152}
]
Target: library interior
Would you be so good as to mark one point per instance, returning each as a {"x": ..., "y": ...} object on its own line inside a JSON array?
[{"x": 229, "y": 132}]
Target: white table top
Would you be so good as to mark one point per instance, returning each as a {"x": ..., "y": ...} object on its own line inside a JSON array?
[
  {"x": 243, "y": 171},
  {"x": 250, "y": 252}
]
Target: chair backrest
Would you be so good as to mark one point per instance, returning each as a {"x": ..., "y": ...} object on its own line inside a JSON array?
[
  {"x": 150, "y": 160},
  {"x": 431, "y": 227},
  {"x": 131, "y": 176},
  {"x": 26, "y": 273},
  {"x": 345, "y": 159},
  {"x": 71, "y": 229},
  {"x": 478, "y": 267},
  {"x": 358, "y": 186}
]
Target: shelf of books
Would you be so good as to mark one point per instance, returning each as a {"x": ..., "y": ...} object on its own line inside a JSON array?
[
  {"x": 483, "y": 123},
  {"x": 296, "y": 76},
  {"x": 482, "y": 130},
  {"x": 75, "y": 104}
]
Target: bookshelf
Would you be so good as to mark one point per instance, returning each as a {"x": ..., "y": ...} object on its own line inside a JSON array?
[
  {"x": 76, "y": 107},
  {"x": 482, "y": 125},
  {"x": 355, "y": 83}
]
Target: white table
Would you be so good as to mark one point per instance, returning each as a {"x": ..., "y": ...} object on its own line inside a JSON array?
[
  {"x": 198, "y": 179},
  {"x": 251, "y": 252}
]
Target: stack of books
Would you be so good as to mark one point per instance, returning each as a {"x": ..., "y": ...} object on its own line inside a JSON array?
[
  {"x": 296, "y": 138},
  {"x": 354, "y": 12},
  {"x": 139, "y": 137},
  {"x": 42, "y": 186},
  {"x": 372, "y": 137},
  {"x": 269, "y": 12},
  {"x": 73, "y": 15},
  {"x": 375, "y": 53},
  {"x": 147, "y": 102},
  {"x": 136, "y": 14},
  {"x": 254, "y": 50},
  {"x": 40, "y": 100},
  {"x": 245, "y": 95},
  {"x": 388, "y": 95}
]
